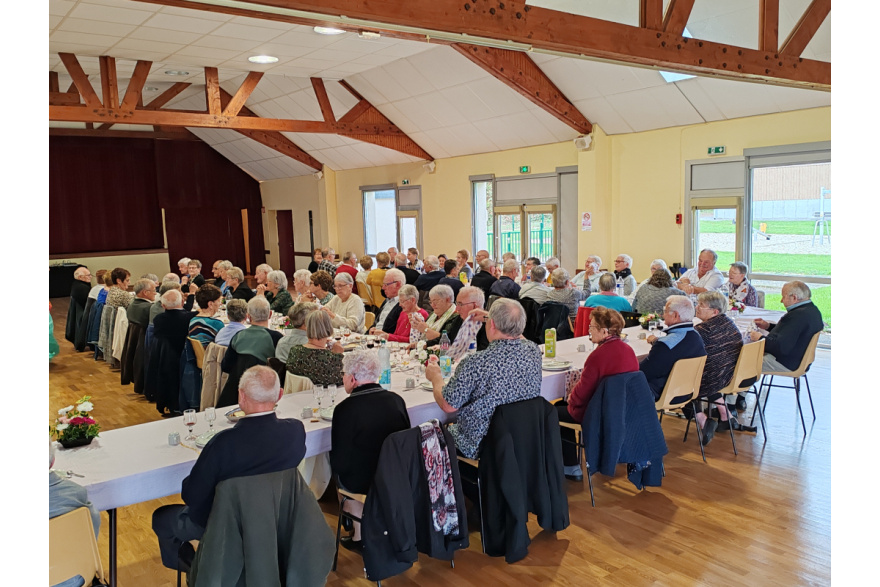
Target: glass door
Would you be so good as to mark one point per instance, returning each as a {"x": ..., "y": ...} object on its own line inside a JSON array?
[
  {"x": 541, "y": 223},
  {"x": 508, "y": 231},
  {"x": 408, "y": 230},
  {"x": 525, "y": 231},
  {"x": 716, "y": 228}
]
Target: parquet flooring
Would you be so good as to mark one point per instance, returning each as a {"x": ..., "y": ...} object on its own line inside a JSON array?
[{"x": 762, "y": 517}]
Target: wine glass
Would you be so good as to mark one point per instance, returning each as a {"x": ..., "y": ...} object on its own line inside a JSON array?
[
  {"x": 210, "y": 416},
  {"x": 652, "y": 326},
  {"x": 318, "y": 393},
  {"x": 332, "y": 390},
  {"x": 346, "y": 332},
  {"x": 189, "y": 419}
]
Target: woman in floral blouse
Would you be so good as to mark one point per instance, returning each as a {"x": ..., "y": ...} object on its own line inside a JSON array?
[
  {"x": 313, "y": 359},
  {"x": 740, "y": 288}
]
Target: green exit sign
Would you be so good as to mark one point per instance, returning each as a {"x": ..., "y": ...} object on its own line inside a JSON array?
[
  {"x": 717, "y": 150},
  {"x": 524, "y": 169}
]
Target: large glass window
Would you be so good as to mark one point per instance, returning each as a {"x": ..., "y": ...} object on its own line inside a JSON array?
[
  {"x": 380, "y": 220},
  {"x": 484, "y": 233}
]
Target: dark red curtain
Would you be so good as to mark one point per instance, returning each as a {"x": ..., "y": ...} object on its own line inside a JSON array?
[{"x": 102, "y": 195}]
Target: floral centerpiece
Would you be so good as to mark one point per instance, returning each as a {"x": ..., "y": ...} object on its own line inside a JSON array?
[
  {"x": 644, "y": 319},
  {"x": 420, "y": 353},
  {"x": 74, "y": 426},
  {"x": 736, "y": 306}
]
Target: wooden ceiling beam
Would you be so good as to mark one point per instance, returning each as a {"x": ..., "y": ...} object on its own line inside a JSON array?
[
  {"x": 516, "y": 70},
  {"x": 134, "y": 91},
  {"x": 53, "y": 82},
  {"x": 212, "y": 90},
  {"x": 63, "y": 98},
  {"x": 167, "y": 96},
  {"x": 80, "y": 79},
  {"x": 561, "y": 32},
  {"x": 768, "y": 25},
  {"x": 806, "y": 28},
  {"x": 651, "y": 14},
  {"x": 109, "y": 83},
  {"x": 677, "y": 15},
  {"x": 176, "y": 135},
  {"x": 272, "y": 139},
  {"x": 323, "y": 99},
  {"x": 236, "y": 102}
]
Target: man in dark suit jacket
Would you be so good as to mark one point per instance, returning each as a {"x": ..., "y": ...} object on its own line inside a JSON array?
[
  {"x": 411, "y": 274},
  {"x": 787, "y": 342},
  {"x": 79, "y": 295},
  {"x": 258, "y": 443},
  {"x": 170, "y": 329},
  {"x": 681, "y": 342},
  {"x": 432, "y": 276},
  {"x": 485, "y": 278}
]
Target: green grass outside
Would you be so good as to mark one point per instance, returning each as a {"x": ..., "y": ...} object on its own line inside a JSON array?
[
  {"x": 821, "y": 297},
  {"x": 773, "y": 226},
  {"x": 781, "y": 263}
]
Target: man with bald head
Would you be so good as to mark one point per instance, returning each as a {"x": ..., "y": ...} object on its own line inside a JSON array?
[
  {"x": 506, "y": 286},
  {"x": 79, "y": 295},
  {"x": 787, "y": 340},
  {"x": 478, "y": 258},
  {"x": 432, "y": 276},
  {"x": 139, "y": 310},
  {"x": 411, "y": 274}
]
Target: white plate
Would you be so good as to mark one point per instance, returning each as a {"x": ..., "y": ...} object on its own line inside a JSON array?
[
  {"x": 427, "y": 385},
  {"x": 556, "y": 365},
  {"x": 326, "y": 414},
  {"x": 232, "y": 418}
]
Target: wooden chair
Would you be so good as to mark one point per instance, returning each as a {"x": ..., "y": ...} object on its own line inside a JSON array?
[
  {"x": 683, "y": 386},
  {"x": 296, "y": 383},
  {"x": 801, "y": 371},
  {"x": 369, "y": 320},
  {"x": 198, "y": 351},
  {"x": 579, "y": 443},
  {"x": 745, "y": 376},
  {"x": 73, "y": 549},
  {"x": 366, "y": 295},
  {"x": 346, "y": 496}
]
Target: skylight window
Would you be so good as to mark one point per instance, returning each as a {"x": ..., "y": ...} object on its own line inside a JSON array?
[{"x": 670, "y": 76}]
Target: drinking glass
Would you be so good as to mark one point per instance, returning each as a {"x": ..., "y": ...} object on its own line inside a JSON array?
[
  {"x": 346, "y": 332},
  {"x": 210, "y": 416},
  {"x": 332, "y": 390},
  {"x": 318, "y": 392},
  {"x": 652, "y": 326},
  {"x": 189, "y": 419}
]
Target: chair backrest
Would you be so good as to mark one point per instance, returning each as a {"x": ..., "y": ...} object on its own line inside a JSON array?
[
  {"x": 684, "y": 380},
  {"x": 533, "y": 330},
  {"x": 198, "y": 351},
  {"x": 213, "y": 378},
  {"x": 73, "y": 549},
  {"x": 364, "y": 291},
  {"x": 809, "y": 356},
  {"x": 747, "y": 369},
  {"x": 760, "y": 298},
  {"x": 376, "y": 293},
  {"x": 296, "y": 383},
  {"x": 491, "y": 301},
  {"x": 369, "y": 320},
  {"x": 425, "y": 301},
  {"x": 279, "y": 367},
  {"x": 555, "y": 315}
]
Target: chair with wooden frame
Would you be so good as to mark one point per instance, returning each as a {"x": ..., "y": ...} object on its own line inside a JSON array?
[
  {"x": 73, "y": 549},
  {"x": 683, "y": 382},
  {"x": 198, "y": 351},
  {"x": 745, "y": 376},
  {"x": 579, "y": 443},
  {"x": 801, "y": 371},
  {"x": 346, "y": 496},
  {"x": 369, "y": 320},
  {"x": 366, "y": 294}
]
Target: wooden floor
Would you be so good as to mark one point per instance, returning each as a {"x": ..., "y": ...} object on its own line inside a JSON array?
[{"x": 762, "y": 517}]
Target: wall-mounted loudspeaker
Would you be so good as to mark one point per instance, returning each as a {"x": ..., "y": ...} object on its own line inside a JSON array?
[
  {"x": 583, "y": 143},
  {"x": 430, "y": 166}
]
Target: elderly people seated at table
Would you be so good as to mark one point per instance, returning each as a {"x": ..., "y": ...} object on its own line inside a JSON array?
[
  {"x": 328, "y": 262},
  {"x": 611, "y": 356},
  {"x": 607, "y": 295},
  {"x": 204, "y": 326},
  {"x": 588, "y": 279},
  {"x": 564, "y": 291},
  {"x": 118, "y": 295},
  {"x": 508, "y": 371},
  {"x": 313, "y": 359},
  {"x": 346, "y": 310},
  {"x": 249, "y": 347},
  {"x": 451, "y": 279},
  {"x": 411, "y": 274},
  {"x": 317, "y": 257},
  {"x": 258, "y": 444},
  {"x": 723, "y": 343},
  {"x": 461, "y": 261},
  {"x": 623, "y": 270},
  {"x": 222, "y": 268},
  {"x": 183, "y": 268},
  {"x": 551, "y": 265},
  {"x": 389, "y": 311},
  {"x": 740, "y": 288},
  {"x": 144, "y": 298},
  {"x": 276, "y": 284},
  {"x": 651, "y": 296},
  {"x": 302, "y": 282},
  {"x": 442, "y": 302},
  {"x": 787, "y": 340},
  {"x": 432, "y": 276},
  {"x": 349, "y": 265},
  {"x": 360, "y": 425},
  {"x": 536, "y": 287},
  {"x": 194, "y": 274},
  {"x": 506, "y": 286},
  {"x": 215, "y": 271},
  {"x": 320, "y": 288},
  {"x": 296, "y": 335},
  {"x": 377, "y": 275},
  {"x": 410, "y": 313},
  {"x": 235, "y": 283},
  {"x": 79, "y": 296},
  {"x": 236, "y": 313},
  {"x": 366, "y": 263},
  {"x": 486, "y": 277},
  {"x": 705, "y": 277},
  {"x": 462, "y": 328},
  {"x": 527, "y": 269},
  {"x": 413, "y": 262},
  {"x": 656, "y": 264},
  {"x": 681, "y": 342},
  {"x": 170, "y": 329},
  {"x": 261, "y": 273},
  {"x": 156, "y": 308}
]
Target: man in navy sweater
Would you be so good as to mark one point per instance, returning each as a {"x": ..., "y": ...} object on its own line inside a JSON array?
[
  {"x": 258, "y": 443},
  {"x": 681, "y": 342},
  {"x": 787, "y": 340}
]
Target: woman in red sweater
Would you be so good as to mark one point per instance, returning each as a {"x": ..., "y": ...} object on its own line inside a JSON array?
[
  {"x": 408, "y": 298},
  {"x": 612, "y": 356}
]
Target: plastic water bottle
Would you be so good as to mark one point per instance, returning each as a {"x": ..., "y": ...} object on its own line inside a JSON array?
[
  {"x": 620, "y": 286},
  {"x": 550, "y": 343},
  {"x": 444, "y": 344},
  {"x": 385, "y": 363},
  {"x": 528, "y": 277},
  {"x": 445, "y": 359}
]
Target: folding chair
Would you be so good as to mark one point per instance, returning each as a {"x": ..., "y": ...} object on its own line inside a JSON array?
[
  {"x": 683, "y": 387},
  {"x": 73, "y": 549},
  {"x": 745, "y": 375},
  {"x": 369, "y": 320},
  {"x": 801, "y": 371},
  {"x": 198, "y": 351}
]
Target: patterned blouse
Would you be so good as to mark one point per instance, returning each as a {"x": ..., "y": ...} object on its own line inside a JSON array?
[
  {"x": 723, "y": 343},
  {"x": 571, "y": 297},
  {"x": 507, "y": 371},
  {"x": 320, "y": 365},
  {"x": 745, "y": 293},
  {"x": 650, "y": 298},
  {"x": 204, "y": 328},
  {"x": 281, "y": 302},
  {"x": 117, "y": 297}
]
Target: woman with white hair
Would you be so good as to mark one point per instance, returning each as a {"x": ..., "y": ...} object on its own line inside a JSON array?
[
  {"x": 655, "y": 265},
  {"x": 651, "y": 296},
  {"x": 276, "y": 283},
  {"x": 360, "y": 425},
  {"x": 296, "y": 335},
  {"x": 346, "y": 310},
  {"x": 301, "y": 282},
  {"x": 622, "y": 270},
  {"x": 442, "y": 302},
  {"x": 740, "y": 288},
  {"x": 565, "y": 292},
  {"x": 408, "y": 298}
]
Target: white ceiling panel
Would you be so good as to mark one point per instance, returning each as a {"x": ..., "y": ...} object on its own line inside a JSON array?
[
  {"x": 60, "y": 7},
  {"x": 670, "y": 108},
  {"x": 123, "y": 13}
]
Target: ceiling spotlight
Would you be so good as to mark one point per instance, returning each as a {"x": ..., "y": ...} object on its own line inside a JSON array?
[
  {"x": 369, "y": 35},
  {"x": 325, "y": 30},
  {"x": 263, "y": 59},
  {"x": 176, "y": 72}
]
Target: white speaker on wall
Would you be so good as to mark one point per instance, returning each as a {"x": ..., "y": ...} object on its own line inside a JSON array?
[
  {"x": 430, "y": 166},
  {"x": 583, "y": 143},
  {"x": 318, "y": 175}
]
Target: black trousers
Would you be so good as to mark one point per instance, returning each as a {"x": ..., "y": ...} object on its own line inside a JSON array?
[
  {"x": 569, "y": 436},
  {"x": 173, "y": 527}
]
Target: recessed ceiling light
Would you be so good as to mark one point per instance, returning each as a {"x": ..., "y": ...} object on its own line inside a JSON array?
[
  {"x": 325, "y": 30},
  {"x": 263, "y": 59},
  {"x": 176, "y": 72}
]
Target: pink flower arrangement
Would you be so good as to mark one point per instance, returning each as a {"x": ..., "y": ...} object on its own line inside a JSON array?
[{"x": 74, "y": 422}]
